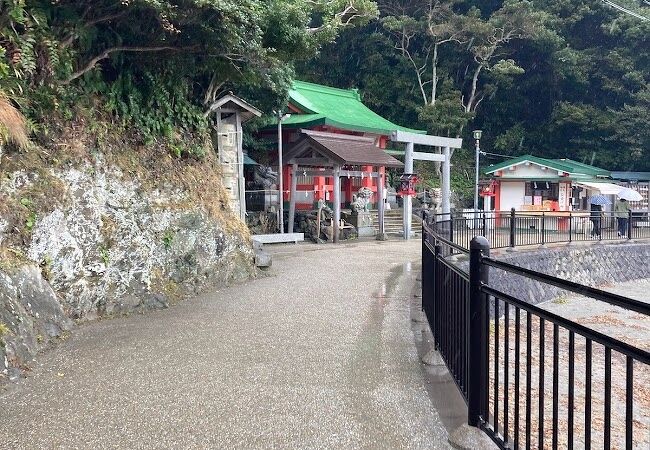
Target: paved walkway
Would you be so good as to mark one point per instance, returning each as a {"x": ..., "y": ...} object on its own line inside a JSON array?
[{"x": 319, "y": 355}]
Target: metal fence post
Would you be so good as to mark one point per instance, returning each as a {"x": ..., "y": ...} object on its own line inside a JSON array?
[
  {"x": 629, "y": 224},
  {"x": 570, "y": 228},
  {"x": 435, "y": 287},
  {"x": 427, "y": 266},
  {"x": 601, "y": 225},
  {"x": 484, "y": 225},
  {"x": 512, "y": 228},
  {"x": 425, "y": 217},
  {"x": 451, "y": 227},
  {"x": 478, "y": 326}
]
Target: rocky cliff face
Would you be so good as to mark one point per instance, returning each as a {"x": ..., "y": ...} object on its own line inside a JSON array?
[
  {"x": 112, "y": 246},
  {"x": 30, "y": 318}
]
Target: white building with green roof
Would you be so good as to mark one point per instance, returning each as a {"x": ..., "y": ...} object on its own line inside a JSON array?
[{"x": 531, "y": 183}]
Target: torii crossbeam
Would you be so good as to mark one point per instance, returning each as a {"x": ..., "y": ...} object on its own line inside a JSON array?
[{"x": 410, "y": 139}]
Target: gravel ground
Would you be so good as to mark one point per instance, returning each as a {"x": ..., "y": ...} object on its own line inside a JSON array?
[
  {"x": 628, "y": 327},
  {"x": 319, "y": 355}
]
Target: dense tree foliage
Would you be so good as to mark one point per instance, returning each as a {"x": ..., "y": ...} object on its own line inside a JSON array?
[
  {"x": 551, "y": 77},
  {"x": 158, "y": 64},
  {"x": 558, "y": 78}
]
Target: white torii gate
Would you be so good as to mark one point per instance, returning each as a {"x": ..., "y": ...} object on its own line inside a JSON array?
[{"x": 410, "y": 139}]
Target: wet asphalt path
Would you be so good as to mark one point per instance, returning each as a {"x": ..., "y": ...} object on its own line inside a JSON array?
[{"x": 319, "y": 355}]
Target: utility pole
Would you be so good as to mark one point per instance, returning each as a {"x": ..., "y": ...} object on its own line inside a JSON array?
[
  {"x": 477, "y": 137},
  {"x": 281, "y": 117},
  {"x": 408, "y": 205}
]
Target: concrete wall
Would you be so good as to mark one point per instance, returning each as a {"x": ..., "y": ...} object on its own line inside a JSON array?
[{"x": 594, "y": 265}]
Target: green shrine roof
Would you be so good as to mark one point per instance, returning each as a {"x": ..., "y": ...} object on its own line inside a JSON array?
[
  {"x": 569, "y": 166},
  {"x": 338, "y": 108}
]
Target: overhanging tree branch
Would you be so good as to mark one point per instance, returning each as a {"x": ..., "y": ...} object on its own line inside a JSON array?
[
  {"x": 342, "y": 18},
  {"x": 75, "y": 34},
  {"x": 106, "y": 53}
]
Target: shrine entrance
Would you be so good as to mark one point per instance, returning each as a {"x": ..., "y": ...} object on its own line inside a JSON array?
[
  {"x": 411, "y": 139},
  {"x": 336, "y": 156}
]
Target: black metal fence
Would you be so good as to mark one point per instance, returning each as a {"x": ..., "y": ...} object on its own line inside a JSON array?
[
  {"x": 531, "y": 378},
  {"x": 516, "y": 228}
]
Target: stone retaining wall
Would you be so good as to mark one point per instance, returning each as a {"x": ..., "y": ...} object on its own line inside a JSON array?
[{"x": 113, "y": 247}]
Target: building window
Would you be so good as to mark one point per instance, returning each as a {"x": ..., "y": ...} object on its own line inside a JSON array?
[{"x": 545, "y": 189}]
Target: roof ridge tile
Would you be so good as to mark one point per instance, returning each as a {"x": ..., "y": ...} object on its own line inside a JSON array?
[{"x": 352, "y": 93}]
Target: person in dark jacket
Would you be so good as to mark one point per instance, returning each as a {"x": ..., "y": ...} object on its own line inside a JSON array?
[{"x": 596, "y": 211}]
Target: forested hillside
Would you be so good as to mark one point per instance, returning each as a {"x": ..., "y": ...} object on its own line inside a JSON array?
[
  {"x": 559, "y": 78},
  {"x": 552, "y": 77},
  {"x": 133, "y": 81}
]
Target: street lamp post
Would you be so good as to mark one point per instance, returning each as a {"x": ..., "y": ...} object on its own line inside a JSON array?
[
  {"x": 477, "y": 137},
  {"x": 281, "y": 117}
]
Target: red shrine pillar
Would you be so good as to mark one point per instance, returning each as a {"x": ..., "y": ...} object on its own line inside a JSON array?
[
  {"x": 319, "y": 187},
  {"x": 347, "y": 183},
  {"x": 286, "y": 181}
]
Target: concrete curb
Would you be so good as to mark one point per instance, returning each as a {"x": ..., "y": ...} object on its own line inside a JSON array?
[
  {"x": 470, "y": 438},
  {"x": 433, "y": 358}
]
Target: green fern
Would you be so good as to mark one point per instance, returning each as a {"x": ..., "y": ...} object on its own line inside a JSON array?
[
  {"x": 104, "y": 255},
  {"x": 30, "y": 222},
  {"x": 168, "y": 238}
]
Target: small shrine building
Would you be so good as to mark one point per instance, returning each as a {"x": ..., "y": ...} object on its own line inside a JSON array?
[
  {"x": 334, "y": 114},
  {"x": 531, "y": 183}
]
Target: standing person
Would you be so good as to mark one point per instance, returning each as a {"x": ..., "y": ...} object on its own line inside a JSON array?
[
  {"x": 622, "y": 211},
  {"x": 596, "y": 211}
]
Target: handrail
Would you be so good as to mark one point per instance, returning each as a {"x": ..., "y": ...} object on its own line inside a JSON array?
[
  {"x": 615, "y": 344},
  {"x": 598, "y": 294},
  {"x": 463, "y": 312},
  {"x": 453, "y": 245},
  {"x": 460, "y": 272},
  {"x": 445, "y": 241},
  {"x": 578, "y": 213},
  {"x": 526, "y": 228}
]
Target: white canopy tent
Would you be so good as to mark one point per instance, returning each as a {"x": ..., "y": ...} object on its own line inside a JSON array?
[{"x": 603, "y": 188}]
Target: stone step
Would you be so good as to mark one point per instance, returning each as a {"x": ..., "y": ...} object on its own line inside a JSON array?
[{"x": 393, "y": 221}]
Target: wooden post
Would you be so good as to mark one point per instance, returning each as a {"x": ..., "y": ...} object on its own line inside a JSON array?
[
  {"x": 318, "y": 224},
  {"x": 380, "y": 204},
  {"x": 337, "y": 202},
  {"x": 292, "y": 199}
]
